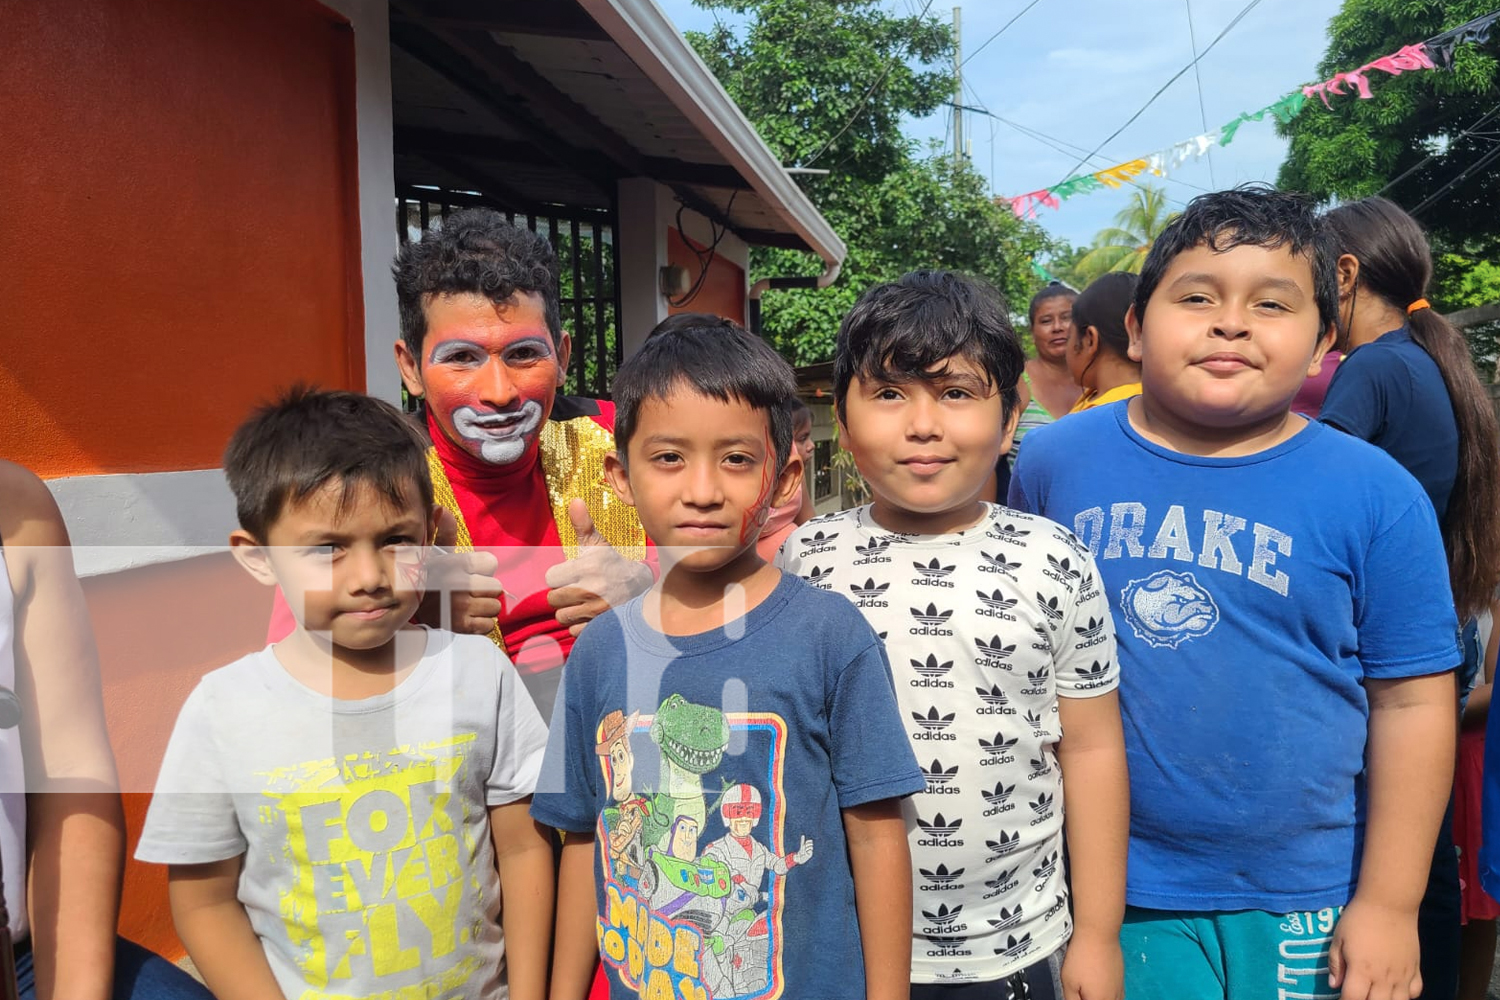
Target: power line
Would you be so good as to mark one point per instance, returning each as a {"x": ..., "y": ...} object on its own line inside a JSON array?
[
  {"x": 860, "y": 107},
  {"x": 997, "y": 34},
  {"x": 1198, "y": 76},
  {"x": 1175, "y": 77},
  {"x": 1463, "y": 175},
  {"x": 1471, "y": 130}
]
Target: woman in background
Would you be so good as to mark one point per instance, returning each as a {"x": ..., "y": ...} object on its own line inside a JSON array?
[{"x": 1099, "y": 347}]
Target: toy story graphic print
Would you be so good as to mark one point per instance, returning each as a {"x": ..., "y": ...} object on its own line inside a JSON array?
[{"x": 694, "y": 851}]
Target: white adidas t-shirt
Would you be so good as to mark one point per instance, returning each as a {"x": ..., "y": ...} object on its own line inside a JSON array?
[{"x": 985, "y": 629}]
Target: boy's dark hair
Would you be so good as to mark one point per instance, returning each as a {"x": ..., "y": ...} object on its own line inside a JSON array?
[
  {"x": 900, "y": 329},
  {"x": 289, "y": 449},
  {"x": 712, "y": 356},
  {"x": 1052, "y": 290},
  {"x": 1103, "y": 306},
  {"x": 474, "y": 251},
  {"x": 1253, "y": 215}
]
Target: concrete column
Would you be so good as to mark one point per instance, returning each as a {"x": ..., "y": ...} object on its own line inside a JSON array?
[
  {"x": 641, "y": 246},
  {"x": 370, "y": 20}
]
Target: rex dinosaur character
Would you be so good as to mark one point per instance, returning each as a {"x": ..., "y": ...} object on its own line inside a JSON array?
[{"x": 692, "y": 739}]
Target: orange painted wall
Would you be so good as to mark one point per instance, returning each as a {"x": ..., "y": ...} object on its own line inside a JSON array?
[
  {"x": 724, "y": 290},
  {"x": 159, "y": 630},
  {"x": 182, "y": 225}
]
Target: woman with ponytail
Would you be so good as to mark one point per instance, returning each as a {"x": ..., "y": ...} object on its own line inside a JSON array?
[{"x": 1409, "y": 387}]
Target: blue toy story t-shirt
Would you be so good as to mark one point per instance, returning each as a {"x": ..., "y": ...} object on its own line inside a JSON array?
[
  {"x": 1390, "y": 393},
  {"x": 712, "y": 769},
  {"x": 1252, "y": 598}
]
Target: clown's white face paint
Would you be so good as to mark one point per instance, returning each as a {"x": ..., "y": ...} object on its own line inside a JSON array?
[{"x": 502, "y": 438}]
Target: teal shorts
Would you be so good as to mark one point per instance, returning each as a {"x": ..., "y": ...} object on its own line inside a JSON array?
[{"x": 1239, "y": 955}]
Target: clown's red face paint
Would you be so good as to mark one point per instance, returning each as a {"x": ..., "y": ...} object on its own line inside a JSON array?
[
  {"x": 488, "y": 373},
  {"x": 701, "y": 474}
]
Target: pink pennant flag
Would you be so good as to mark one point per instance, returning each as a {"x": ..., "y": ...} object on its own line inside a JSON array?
[
  {"x": 1406, "y": 59},
  {"x": 1024, "y": 205}
]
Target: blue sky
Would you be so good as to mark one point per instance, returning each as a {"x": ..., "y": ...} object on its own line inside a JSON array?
[{"x": 1077, "y": 69}]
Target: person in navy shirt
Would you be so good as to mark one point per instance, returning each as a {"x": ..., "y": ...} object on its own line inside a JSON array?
[{"x": 1285, "y": 627}]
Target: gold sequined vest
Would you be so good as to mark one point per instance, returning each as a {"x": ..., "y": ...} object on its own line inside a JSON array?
[{"x": 572, "y": 457}]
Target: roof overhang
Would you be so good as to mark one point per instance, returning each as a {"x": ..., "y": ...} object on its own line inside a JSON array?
[{"x": 545, "y": 106}]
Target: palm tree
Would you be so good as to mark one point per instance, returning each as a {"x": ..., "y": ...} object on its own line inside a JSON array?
[{"x": 1124, "y": 246}]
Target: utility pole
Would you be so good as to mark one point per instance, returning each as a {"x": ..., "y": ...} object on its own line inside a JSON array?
[{"x": 958, "y": 87}]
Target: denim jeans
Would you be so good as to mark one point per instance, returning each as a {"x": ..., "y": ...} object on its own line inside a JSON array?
[{"x": 139, "y": 975}]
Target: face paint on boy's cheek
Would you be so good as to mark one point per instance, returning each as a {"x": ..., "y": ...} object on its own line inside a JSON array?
[{"x": 759, "y": 512}]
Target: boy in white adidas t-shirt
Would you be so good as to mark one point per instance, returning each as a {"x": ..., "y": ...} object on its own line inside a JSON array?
[{"x": 1000, "y": 641}]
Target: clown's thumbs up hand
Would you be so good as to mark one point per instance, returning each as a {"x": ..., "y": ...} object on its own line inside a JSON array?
[
  {"x": 468, "y": 580},
  {"x": 596, "y": 579}
]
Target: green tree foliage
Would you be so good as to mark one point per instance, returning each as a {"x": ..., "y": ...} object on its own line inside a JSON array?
[
  {"x": 1124, "y": 246},
  {"x": 827, "y": 84},
  {"x": 1357, "y": 148}
]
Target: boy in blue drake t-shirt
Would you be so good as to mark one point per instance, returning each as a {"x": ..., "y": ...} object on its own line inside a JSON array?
[
  {"x": 1286, "y": 631},
  {"x": 726, "y": 755}
]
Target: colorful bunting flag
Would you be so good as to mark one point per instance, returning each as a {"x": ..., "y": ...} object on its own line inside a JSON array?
[{"x": 1434, "y": 52}]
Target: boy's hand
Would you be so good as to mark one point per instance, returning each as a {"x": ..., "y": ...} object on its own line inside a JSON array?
[
  {"x": 1093, "y": 968},
  {"x": 597, "y": 579},
  {"x": 1374, "y": 952}
]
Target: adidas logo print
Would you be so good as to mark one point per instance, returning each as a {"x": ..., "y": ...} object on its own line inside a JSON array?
[
  {"x": 1035, "y": 722},
  {"x": 932, "y": 621},
  {"x": 932, "y": 574},
  {"x": 819, "y": 543},
  {"x": 933, "y": 725},
  {"x": 1036, "y": 681},
  {"x": 1008, "y": 918},
  {"x": 1005, "y": 881},
  {"x": 940, "y": 879},
  {"x": 1091, "y": 633},
  {"x": 1043, "y": 638},
  {"x": 1039, "y": 769},
  {"x": 872, "y": 552},
  {"x": 870, "y": 594},
  {"x": 998, "y": 564},
  {"x": 938, "y": 779},
  {"x": 1007, "y": 844},
  {"x": 1049, "y": 608},
  {"x": 1015, "y": 947},
  {"x": 997, "y": 750},
  {"x": 996, "y": 605},
  {"x": 944, "y": 931},
  {"x": 1042, "y": 806},
  {"x": 994, "y": 700},
  {"x": 938, "y": 826},
  {"x": 999, "y": 799},
  {"x": 1061, "y": 570},
  {"x": 1096, "y": 675},
  {"x": 1058, "y": 903},
  {"x": 1008, "y": 533},
  {"x": 818, "y": 577},
  {"x": 1046, "y": 869},
  {"x": 994, "y": 653},
  {"x": 932, "y": 672}
]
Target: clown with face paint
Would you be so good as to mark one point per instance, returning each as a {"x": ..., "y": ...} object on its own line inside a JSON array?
[{"x": 518, "y": 466}]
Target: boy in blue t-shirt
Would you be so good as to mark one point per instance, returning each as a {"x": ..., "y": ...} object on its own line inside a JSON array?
[
  {"x": 1286, "y": 631},
  {"x": 725, "y": 756}
]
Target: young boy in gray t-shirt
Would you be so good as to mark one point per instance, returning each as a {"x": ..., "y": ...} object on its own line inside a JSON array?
[{"x": 340, "y": 819}]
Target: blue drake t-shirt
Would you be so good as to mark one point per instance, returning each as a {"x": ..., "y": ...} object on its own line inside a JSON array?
[
  {"x": 712, "y": 769},
  {"x": 1390, "y": 393},
  {"x": 1252, "y": 598}
]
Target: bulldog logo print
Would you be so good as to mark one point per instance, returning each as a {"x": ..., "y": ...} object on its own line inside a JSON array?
[{"x": 1168, "y": 608}]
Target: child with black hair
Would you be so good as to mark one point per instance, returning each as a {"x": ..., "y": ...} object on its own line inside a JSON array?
[
  {"x": 1001, "y": 642},
  {"x": 1287, "y": 670},
  {"x": 344, "y": 811},
  {"x": 725, "y": 756},
  {"x": 1099, "y": 346}
]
